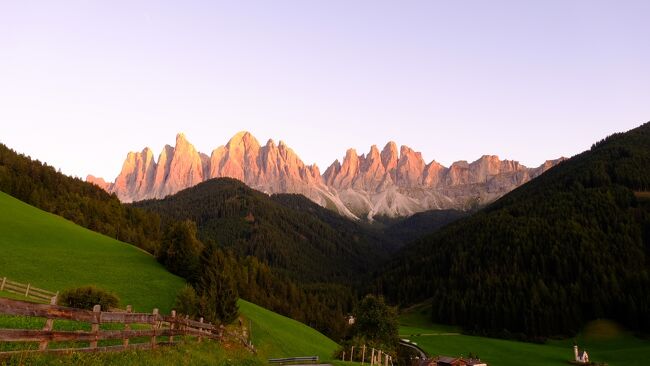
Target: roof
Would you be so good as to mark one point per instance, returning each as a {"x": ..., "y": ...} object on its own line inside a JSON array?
[
  {"x": 447, "y": 359},
  {"x": 450, "y": 360}
]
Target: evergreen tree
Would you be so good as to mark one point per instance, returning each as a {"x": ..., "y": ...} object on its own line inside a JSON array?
[
  {"x": 218, "y": 291},
  {"x": 180, "y": 249}
]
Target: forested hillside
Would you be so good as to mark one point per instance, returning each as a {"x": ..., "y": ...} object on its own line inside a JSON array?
[
  {"x": 83, "y": 203},
  {"x": 570, "y": 246},
  {"x": 414, "y": 227},
  {"x": 250, "y": 223}
]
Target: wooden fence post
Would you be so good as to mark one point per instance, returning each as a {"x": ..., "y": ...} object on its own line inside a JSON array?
[
  {"x": 154, "y": 327},
  {"x": 49, "y": 323},
  {"x": 127, "y": 326},
  {"x": 27, "y": 291},
  {"x": 172, "y": 327},
  {"x": 4, "y": 280},
  {"x": 200, "y": 330},
  {"x": 95, "y": 325}
]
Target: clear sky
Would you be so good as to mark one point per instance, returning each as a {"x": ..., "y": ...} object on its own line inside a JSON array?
[{"x": 84, "y": 82}]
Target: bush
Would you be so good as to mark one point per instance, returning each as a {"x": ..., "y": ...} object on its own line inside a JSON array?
[{"x": 87, "y": 297}]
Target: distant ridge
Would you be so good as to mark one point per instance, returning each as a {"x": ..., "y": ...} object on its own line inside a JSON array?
[{"x": 385, "y": 183}]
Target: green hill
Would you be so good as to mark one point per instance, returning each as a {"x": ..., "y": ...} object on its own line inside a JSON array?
[
  {"x": 53, "y": 253},
  {"x": 571, "y": 246},
  {"x": 83, "y": 203},
  {"x": 278, "y": 336},
  {"x": 249, "y": 222}
]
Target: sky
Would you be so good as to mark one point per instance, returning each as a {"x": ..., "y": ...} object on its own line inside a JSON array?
[{"x": 84, "y": 82}]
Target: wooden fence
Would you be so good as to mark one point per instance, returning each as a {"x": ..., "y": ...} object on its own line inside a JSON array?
[
  {"x": 374, "y": 356},
  {"x": 169, "y": 326},
  {"x": 28, "y": 290}
]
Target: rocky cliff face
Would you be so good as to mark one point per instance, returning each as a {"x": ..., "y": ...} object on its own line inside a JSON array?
[{"x": 363, "y": 186}]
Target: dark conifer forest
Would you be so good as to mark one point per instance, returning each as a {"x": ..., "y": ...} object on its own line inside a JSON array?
[{"x": 570, "y": 246}]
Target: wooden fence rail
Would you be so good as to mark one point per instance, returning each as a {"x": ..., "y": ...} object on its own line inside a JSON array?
[
  {"x": 159, "y": 326},
  {"x": 27, "y": 290}
]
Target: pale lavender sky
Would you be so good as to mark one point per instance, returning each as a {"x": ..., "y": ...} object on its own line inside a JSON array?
[{"x": 84, "y": 82}]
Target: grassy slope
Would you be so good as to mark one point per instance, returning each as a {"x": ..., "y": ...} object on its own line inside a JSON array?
[
  {"x": 53, "y": 253},
  {"x": 278, "y": 336},
  {"x": 616, "y": 350}
]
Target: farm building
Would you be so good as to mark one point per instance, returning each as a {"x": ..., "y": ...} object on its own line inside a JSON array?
[{"x": 452, "y": 361}]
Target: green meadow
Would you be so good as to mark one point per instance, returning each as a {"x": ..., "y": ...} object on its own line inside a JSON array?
[
  {"x": 278, "y": 336},
  {"x": 603, "y": 340},
  {"x": 54, "y": 254}
]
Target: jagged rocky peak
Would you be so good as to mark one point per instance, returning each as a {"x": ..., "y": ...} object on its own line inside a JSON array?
[
  {"x": 389, "y": 158},
  {"x": 389, "y": 182}
]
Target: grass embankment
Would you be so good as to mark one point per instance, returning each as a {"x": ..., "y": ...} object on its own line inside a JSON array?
[
  {"x": 278, "y": 336},
  {"x": 604, "y": 342},
  {"x": 54, "y": 254}
]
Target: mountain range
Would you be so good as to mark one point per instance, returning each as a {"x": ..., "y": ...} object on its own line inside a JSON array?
[{"x": 388, "y": 183}]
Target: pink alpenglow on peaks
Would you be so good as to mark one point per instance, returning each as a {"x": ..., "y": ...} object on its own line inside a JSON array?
[{"x": 384, "y": 183}]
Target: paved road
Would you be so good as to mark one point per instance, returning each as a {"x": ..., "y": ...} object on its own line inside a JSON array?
[{"x": 423, "y": 355}]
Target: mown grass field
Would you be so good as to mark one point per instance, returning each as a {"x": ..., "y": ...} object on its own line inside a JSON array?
[
  {"x": 604, "y": 342},
  {"x": 54, "y": 254},
  {"x": 278, "y": 336}
]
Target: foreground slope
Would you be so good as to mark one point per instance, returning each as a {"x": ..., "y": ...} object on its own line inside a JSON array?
[
  {"x": 570, "y": 246},
  {"x": 53, "y": 253}
]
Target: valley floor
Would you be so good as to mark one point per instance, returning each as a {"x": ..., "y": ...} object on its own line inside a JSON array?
[{"x": 613, "y": 348}]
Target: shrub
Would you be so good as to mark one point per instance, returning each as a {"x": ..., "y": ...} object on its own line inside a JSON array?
[{"x": 87, "y": 297}]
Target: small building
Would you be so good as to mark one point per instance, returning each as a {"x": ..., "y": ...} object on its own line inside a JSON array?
[
  {"x": 450, "y": 361},
  {"x": 580, "y": 357},
  {"x": 455, "y": 361}
]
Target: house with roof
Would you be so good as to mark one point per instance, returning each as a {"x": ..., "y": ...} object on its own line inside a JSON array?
[{"x": 457, "y": 361}]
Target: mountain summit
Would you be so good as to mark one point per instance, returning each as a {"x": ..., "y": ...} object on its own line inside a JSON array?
[{"x": 385, "y": 183}]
